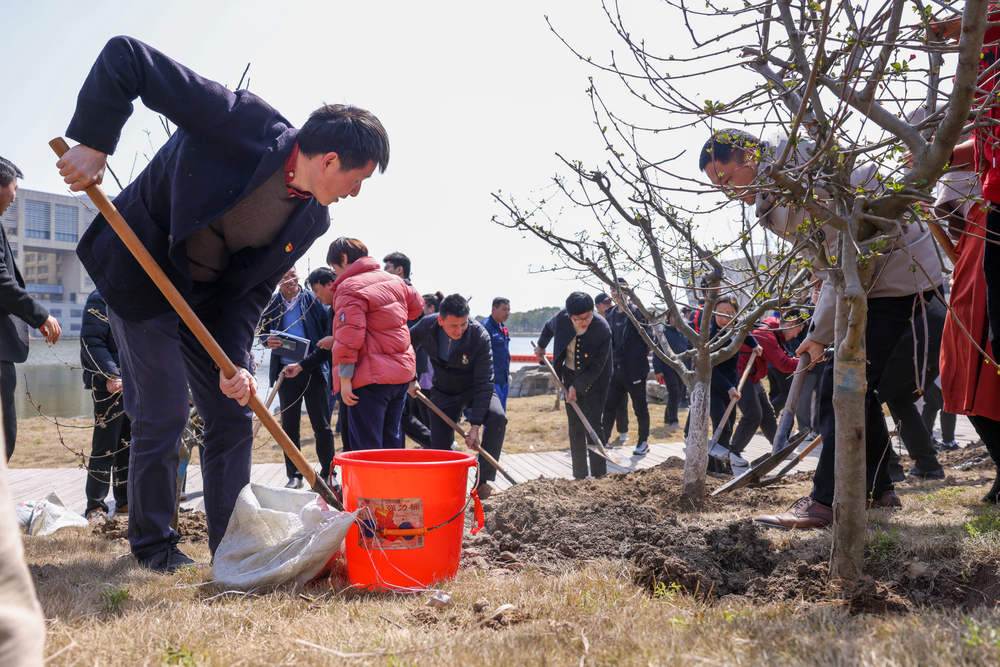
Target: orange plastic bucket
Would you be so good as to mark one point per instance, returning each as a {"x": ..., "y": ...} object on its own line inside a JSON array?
[{"x": 402, "y": 493}]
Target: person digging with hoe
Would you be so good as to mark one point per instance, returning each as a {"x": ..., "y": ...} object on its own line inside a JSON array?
[{"x": 225, "y": 207}]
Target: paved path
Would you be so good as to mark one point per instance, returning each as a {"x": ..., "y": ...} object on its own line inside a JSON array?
[{"x": 36, "y": 483}]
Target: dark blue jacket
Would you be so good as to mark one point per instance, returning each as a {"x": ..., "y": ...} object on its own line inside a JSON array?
[
  {"x": 500, "y": 340},
  {"x": 724, "y": 374},
  {"x": 593, "y": 350},
  {"x": 468, "y": 368},
  {"x": 631, "y": 354},
  {"x": 678, "y": 343},
  {"x": 98, "y": 349},
  {"x": 225, "y": 146},
  {"x": 318, "y": 324}
]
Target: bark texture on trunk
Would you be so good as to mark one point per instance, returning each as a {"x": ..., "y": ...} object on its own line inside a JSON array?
[
  {"x": 696, "y": 444},
  {"x": 849, "y": 387}
]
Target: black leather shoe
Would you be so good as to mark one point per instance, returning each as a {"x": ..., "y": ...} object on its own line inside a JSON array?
[
  {"x": 295, "y": 483},
  {"x": 915, "y": 471},
  {"x": 167, "y": 560}
]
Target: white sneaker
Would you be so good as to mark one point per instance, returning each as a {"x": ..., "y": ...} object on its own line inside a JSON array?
[
  {"x": 739, "y": 464},
  {"x": 622, "y": 439},
  {"x": 641, "y": 449}
]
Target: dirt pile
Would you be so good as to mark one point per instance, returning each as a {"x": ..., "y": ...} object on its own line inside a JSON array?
[
  {"x": 640, "y": 518},
  {"x": 191, "y": 525}
]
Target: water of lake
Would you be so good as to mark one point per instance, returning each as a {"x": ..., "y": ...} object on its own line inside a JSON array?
[{"x": 53, "y": 376}]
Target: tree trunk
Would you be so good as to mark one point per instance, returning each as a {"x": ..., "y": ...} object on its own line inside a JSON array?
[
  {"x": 849, "y": 387},
  {"x": 696, "y": 441}
]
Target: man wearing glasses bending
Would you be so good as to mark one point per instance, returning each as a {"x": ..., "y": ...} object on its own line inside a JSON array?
[{"x": 582, "y": 356}]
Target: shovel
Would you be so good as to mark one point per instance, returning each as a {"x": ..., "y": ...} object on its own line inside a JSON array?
[
  {"x": 189, "y": 317},
  {"x": 761, "y": 467},
  {"x": 458, "y": 429},
  {"x": 597, "y": 447},
  {"x": 791, "y": 464},
  {"x": 787, "y": 417},
  {"x": 715, "y": 450},
  {"x": 270, "y": 399}
]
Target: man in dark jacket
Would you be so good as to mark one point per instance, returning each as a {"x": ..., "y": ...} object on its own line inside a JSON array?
[
  {"x": 108, "y": 462},
  {"x": 500, "y": 341},
  {"x": 582, "y": 356},
  {"x": 18, "y": 311},
  {"x": 225, "y": 207},
  {"x": 667, "y": 376},
  {"x": 631, "y": 363},
  {"x": 295, "y": 311},
  {"x": 459, "y": 350}
]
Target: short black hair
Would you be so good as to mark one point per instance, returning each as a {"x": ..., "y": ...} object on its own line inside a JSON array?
[
  {"x": 727, "y": 145},
  {"x": 454, "y": 305},
  {"x": 354, "y": 134},
  {"x": 400, "y": 260},
  {"x": 499, "y": 301},
  {"x": 602, "y": 297},
  {"x": 579, "y": 303},
  {"x": 352, "y": 248},
  {"x": 8, "y": 172},
  {"x": 324, "y": 275}
]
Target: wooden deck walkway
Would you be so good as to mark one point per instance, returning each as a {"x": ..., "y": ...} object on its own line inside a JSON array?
[{"x": 36, "y": 483}]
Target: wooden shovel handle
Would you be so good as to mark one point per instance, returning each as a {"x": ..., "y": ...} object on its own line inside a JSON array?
[{"x": 193, "y": 323}]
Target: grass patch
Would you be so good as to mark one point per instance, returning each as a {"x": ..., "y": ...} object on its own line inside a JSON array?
[{"x": 986, "y": 524}]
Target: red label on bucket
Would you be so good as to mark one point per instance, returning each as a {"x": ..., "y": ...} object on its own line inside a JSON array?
[{"x": 377, "y": 515}]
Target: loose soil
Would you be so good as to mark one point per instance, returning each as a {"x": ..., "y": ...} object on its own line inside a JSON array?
[
  {"x": 717, "y": 552},
  {"x": 191, "y": 525}
]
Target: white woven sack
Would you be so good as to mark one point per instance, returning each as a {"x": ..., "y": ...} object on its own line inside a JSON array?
[
  {"x": 277, "y": 536},
  {"x": 51, "y": 514}
]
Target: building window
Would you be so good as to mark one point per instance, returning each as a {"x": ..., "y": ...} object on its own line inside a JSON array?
[
  {"x": 43, "y": 269},
  {"x": 55, "y": 312},
  {"x": 29, "y": 257},
  {"x": 88, "y": 281},
  {"x": 30, "y": 271},
  {"x": 76, "y": 313},
  {"x": 43, "y": 256},
  {"x": 67, "y": 223},
  {"x": 74, "y": 327},
  {"x": 37, "y": 219},
  {"x": 13, "y": 249}
]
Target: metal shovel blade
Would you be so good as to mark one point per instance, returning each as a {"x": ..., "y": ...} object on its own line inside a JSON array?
[{"x": 760, "y": 467}]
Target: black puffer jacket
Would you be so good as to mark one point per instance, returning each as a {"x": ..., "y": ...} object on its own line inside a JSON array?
[
  {"x": 98, "y": 350},
  {"x": 469, "y": 367}
]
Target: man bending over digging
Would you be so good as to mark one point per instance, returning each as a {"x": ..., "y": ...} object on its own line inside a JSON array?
[
  {"x": 225, "y": 207},
  {"x": 461, "y": 354}
]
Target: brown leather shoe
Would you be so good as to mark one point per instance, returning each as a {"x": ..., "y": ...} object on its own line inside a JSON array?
[
  {"x": 805, "y": 513},
  {"x": 889, "y": 501}
]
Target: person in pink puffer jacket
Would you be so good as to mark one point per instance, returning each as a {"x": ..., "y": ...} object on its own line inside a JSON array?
[{"x": 372, "y": 356}]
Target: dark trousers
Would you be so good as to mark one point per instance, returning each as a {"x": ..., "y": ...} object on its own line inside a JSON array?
[
  {"x": 344, "y": 419},
  {"x": 375, "y": 420},
  {"x": 888, "y": 318},
  {"x": 806, "y": 413},
  {"x": 934, "y": 403},
  {"x": 160, "y": 359},
  {"x": 8, "y": 388},
  {"x": 109, "y": 450},
  {"x": 312, "y": 387},
  {"x": 413, "y": 426},
  {"x": 491, "y": 435},
  {"x": 989, "y": 430},
  {"x": 672, "y": 381},
  {"x": 620, "y": 385},
  {"x": 592, "y": 405},
  {"x": 914, "y": 434},
  {"x": 718, "y": 402},
  {"x": 621, "y": 415},
  {"x": 757, "y": 412}
]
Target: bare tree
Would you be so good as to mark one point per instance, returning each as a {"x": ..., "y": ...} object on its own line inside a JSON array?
[{"x": 838, "y": 81}]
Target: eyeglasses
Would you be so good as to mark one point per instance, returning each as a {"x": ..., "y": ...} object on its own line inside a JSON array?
[{"x": 582, "y": 319}]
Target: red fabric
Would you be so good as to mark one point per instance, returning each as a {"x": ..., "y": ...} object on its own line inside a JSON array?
[
  {"x": 970, "y": 385},
  {"x": 771, "y": 352},
  {"x": 290, "y": 174},
  {"x": 371, "y": 308},
  {"x": 988, "y": 138}
]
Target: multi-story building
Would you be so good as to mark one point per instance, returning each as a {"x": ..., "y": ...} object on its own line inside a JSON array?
[{"x": 43, "y": 230}]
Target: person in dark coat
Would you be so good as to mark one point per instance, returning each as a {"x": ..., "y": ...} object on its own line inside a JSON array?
[
  {"x": 582, "y": 358},
  {"x": 225, "y": 207},
  {"x": 667, "y": 376},
  {"x": 631, "y": 368},
  {"x": 18, "y": 311},
  {"x": 500, "y": 339},
  {"x": 293, "y": 310},
  {"x": 461, "y": 354},
  {"x": 109, "y": 452}
]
